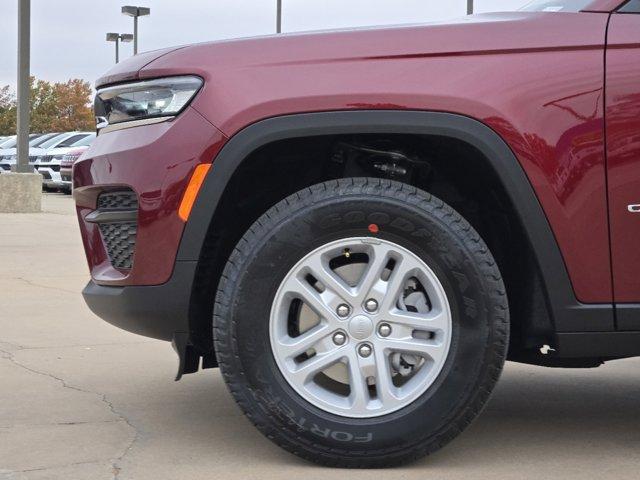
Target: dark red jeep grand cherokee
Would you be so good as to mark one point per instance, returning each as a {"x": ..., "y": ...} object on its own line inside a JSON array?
[{"x": 359, "y": 227}]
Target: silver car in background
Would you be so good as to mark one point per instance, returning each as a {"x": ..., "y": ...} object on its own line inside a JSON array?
[{"x": 48, "y": 159}]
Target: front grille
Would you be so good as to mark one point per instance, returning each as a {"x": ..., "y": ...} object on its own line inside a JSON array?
[
  {"x": 122, "y": 200},
  {"x": 120, "y": 240},
  {"x": 32, "y": 158},
  {"x": 119, "y": 236},
  {"x": 68, "y": 161},
  {"x": 46, "y": 158},
  {"x": 41, "y": 168}
]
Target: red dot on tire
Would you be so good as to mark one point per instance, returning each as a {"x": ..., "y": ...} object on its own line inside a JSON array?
[{"x": 373, "y": 228}]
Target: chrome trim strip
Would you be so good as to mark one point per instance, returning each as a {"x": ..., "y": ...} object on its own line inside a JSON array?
[{"x": 134, "y": 123}]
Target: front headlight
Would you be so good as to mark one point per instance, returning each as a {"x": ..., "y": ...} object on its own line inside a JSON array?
[{"x": 150, "y": 99}]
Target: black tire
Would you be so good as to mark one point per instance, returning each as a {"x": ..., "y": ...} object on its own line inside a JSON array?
[{"x": 327, "y": 212}]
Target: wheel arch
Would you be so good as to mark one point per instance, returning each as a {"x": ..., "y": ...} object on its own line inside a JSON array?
[{"x": 567, "y": 314}]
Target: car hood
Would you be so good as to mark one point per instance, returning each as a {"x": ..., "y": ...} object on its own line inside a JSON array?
[
  {"x": 474, "y": 34},
  {"x": 470, "y": 35},
  {"x": 128, "y": 69}
]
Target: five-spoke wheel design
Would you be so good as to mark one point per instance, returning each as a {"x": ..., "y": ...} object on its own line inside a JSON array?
[{"x": 360, "y": 327}]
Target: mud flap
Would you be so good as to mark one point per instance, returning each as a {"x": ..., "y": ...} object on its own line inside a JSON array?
[{"x": 188, "y": 358}]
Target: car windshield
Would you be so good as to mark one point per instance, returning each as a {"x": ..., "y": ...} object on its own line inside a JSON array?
[
  {"x": 53, "y": 140},
  {"x": 40, "y": 140},
  {"x": 35, "y": 139},
  {"x": 11, "y": 143},
  {"x": 86, "y": 141},
  {"x": 69, "y": 141},
  {"x": 556, "y": 6}
]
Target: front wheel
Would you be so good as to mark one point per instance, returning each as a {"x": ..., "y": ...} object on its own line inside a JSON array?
[{"x": 361, "y": 323}]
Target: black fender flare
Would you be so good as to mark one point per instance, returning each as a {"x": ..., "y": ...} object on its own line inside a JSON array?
[{"x": 568, "y": 314}]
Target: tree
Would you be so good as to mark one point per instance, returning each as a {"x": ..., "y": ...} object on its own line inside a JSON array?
[
  {"x": 7, "y": 111},
  {"x": 74, "y": 109},
  {"x": 55, "y": 107}
]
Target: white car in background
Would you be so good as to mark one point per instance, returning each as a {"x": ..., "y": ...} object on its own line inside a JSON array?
[
  {"x": 47, "y": 160},
  {"x": 7, "y": 141},
  {"x": 8, "y": 150}
]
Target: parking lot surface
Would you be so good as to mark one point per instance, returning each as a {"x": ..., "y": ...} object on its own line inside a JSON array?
[{"x": 80, "y": 399}]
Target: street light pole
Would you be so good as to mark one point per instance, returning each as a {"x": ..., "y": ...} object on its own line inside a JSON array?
[
  {"x": 24, "y": 45},
  {"x": 135, "y": 12},
  {"x": 116, "y": 37},
  {"x": 279, "y": 16},
  {"x": 135, "y": 35},
  {"x": 469, "y": 7}
]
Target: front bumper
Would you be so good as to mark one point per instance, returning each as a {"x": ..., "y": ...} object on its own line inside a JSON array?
[
  {"x": 135, "y": 178},
  {"x": 65, "y": 176},
  {"x": 155, "y": 162},
  {"x": 160, "y": 311},
  {"x": 50, "y": 176}
]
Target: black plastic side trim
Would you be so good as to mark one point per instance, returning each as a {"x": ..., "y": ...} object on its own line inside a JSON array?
[
  {"x": 98, "y": 216},
  {"x": 188, "y": 358},
  {"x": 598, "y": 344},
  {"x": 628, "y": 316},
  {"x": 157, "y": 311},
  {"x": 569, "y": 315}
]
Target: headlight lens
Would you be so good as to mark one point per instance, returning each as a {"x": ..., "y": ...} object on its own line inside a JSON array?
[{"x": 163, "y": 97}]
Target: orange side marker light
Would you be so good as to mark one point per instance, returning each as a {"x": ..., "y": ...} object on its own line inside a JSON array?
[{"x": 191, "y": 192}]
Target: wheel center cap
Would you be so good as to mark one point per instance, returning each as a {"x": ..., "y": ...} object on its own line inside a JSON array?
[{"x": 360, "y": 327}]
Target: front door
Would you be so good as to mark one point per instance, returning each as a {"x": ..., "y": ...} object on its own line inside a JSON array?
[{"x": 623, "y": 160}]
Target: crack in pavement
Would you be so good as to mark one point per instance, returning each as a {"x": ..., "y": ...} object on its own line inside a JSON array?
[
  {"x": 74, "y": 345},
  {"x": 6, "y": 427},
  {"x": 103, "y": 398},
  {"x": 42, "y": 469},
  {"x": 38, "y": 285}
]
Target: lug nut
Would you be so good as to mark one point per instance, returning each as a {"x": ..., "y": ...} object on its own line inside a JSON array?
[
  {"x": 343, "y": 310},
  {"x": 384, "y": 330},
  {"x": 365, "y": 350},
  {"x": 371, "y": 305},
  {"x": 339, "y": 338}
]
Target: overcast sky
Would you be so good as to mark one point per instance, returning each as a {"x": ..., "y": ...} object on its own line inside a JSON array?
[{"x": 68, "y": 36}]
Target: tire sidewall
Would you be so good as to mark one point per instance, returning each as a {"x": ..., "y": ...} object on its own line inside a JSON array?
[{"x": 279, "y": 242}]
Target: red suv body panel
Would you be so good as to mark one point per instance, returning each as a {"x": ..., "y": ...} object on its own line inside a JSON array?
[
  {"x": 156, "y": 162},
  {"x": 535, "y": 78},
  {"x": 547, "y": 102}
]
